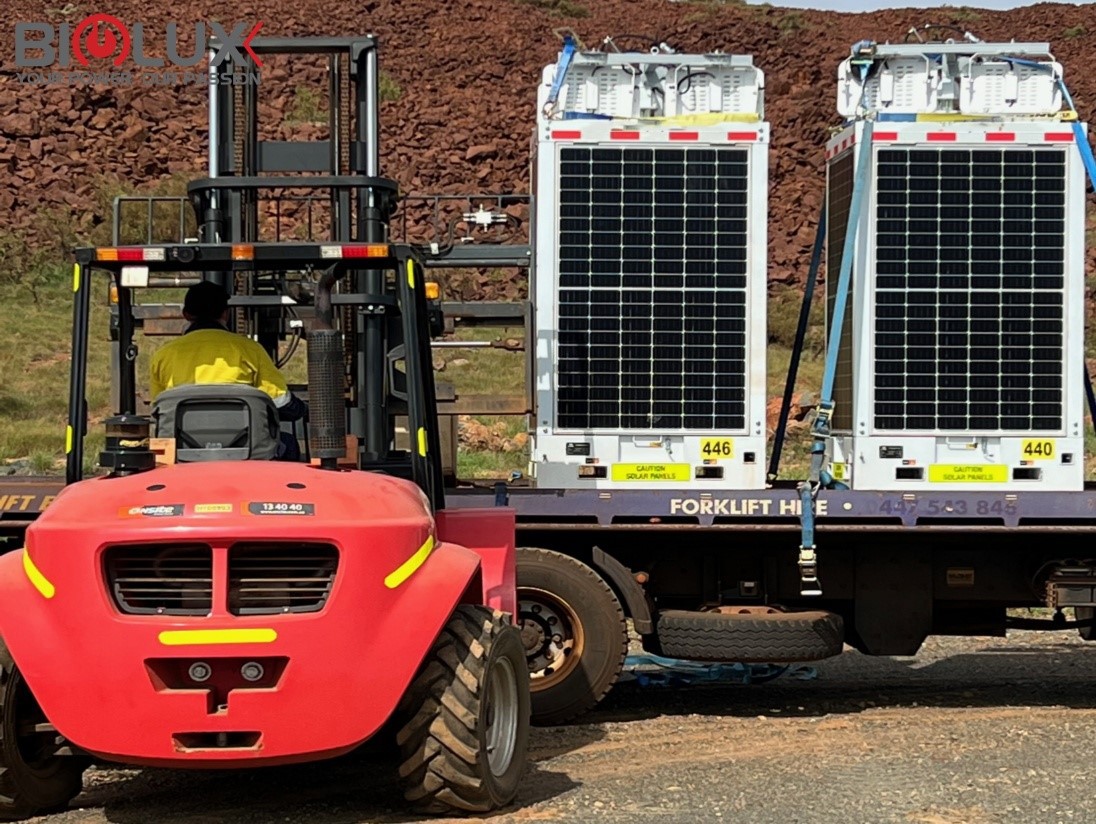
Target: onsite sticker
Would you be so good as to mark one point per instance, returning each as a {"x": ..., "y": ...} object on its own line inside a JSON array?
[
  {"x": 650, "y": 472},
  {"x": 151, "y": 511},
  {"x": 280, "y": 508},
  {"x": 968, "y": 473}
]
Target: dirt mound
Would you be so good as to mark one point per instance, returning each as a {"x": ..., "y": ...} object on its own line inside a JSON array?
[
  {"x": 461, "y": 79},
  {"x": 480, "y": 437}
]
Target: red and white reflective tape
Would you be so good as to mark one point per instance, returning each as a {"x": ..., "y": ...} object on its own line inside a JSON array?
[
  {"x": 674, "y": 136},
  {"x": 952, "y": 137},
  {"x": 842, "y": 145}
]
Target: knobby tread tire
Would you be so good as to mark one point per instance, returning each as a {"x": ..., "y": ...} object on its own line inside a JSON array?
[
  {"x": 603, "y": 623},
  {"x": 442, "y": 741},
  {"x": 25, "y": 792},
  {"x": 782, "y": 637}
]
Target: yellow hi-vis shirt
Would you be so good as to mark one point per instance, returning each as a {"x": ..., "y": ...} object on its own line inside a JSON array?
[{"x": 216, "y": 356}]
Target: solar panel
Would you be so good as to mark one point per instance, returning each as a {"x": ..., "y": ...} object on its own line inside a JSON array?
[
  {"x": 839, "y": 188},
  {"x": 652, "y": 288},
  {"x": 970, "y": 248}
]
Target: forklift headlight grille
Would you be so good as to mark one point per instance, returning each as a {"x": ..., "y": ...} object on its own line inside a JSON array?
[
  {"x": 273, "y": 578},
  {"x": 160, "y": 579}
]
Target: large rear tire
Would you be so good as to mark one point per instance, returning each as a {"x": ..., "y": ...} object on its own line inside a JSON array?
[
  {"x": 574, "y": 633},
  {"x": 464, "y": 741},
  {"x": 33, "y": 778}
]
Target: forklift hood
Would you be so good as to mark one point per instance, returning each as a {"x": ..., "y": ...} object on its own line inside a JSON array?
[{"x": 218, "y": 613}]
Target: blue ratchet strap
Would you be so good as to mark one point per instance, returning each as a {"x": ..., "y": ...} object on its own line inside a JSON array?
[
  {"x": 808, "y": 490},
  {"x": 797, "y": 346},
  {"x": 565, "y": 58}
]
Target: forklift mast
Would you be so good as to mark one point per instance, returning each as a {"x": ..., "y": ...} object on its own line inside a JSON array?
[
  {"x": 341, "y": 172},
  {"x": 365, "y": 325}
]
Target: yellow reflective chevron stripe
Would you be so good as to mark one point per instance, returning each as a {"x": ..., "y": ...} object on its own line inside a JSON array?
[
  {"x": 422, "y": 441},
  {"x": 411, "y": 273},
  {"x": 76, "y": 277},
  {"x": 41, "y": 583},
  {"x": 408, "y": 567},
  {"x": 68, "y": 439},
  {"x": 195, "y": 637}
]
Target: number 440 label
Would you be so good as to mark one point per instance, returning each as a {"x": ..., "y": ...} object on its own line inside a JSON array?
[
  {"x": 1037, "y": 449},
  {"x": 715, "y": 449}
]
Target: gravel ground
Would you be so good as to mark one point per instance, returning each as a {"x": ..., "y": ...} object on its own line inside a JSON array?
[{"x": 970, "y": 731}]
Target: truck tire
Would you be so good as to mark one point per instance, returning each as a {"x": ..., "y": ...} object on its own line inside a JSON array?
[
  {"x": 763, "y": 638},
  {"x": 574, "y": 633},
  {"x": 33, "y": 779},
  {"x": 1085, "y": 614},
  {"x": 465, "y": 734}
]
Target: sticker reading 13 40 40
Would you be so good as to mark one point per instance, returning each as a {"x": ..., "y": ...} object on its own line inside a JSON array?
[{"x": 280, "y": 508}]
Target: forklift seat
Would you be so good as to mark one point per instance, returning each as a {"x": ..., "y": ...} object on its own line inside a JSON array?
[{"x": 218, "y": 422}]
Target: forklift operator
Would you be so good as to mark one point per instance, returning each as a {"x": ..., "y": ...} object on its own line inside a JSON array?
[{"x": 208, "y": 353}]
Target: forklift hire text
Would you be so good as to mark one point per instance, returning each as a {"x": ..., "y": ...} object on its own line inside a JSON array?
[
  {"x": 745, "y": 506},
  {"x": 21, "y": 503}
]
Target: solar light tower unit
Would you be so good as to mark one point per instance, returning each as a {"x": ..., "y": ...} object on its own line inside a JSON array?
[
  {"x": 650, "y": 183},
  {"x": 960, "y": 365}
]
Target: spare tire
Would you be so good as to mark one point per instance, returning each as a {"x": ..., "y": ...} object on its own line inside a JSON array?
[{"x": 762, "y": 638}]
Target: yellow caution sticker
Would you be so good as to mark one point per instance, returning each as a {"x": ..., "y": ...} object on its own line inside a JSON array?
[
  {"x": 838, "y": 471},
  {"x": 1037, "y": 449},
  {"x": 968, "y": 473},
  {"x": 650, "y": 472},
  {"x": 715, "y": 449},
  {"x": 210, "y": 509}
]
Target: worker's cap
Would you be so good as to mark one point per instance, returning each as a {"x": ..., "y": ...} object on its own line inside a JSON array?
[{"x": 205, "y": 300}]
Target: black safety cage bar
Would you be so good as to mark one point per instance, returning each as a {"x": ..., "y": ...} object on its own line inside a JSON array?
[{"x": 408, "y": 301}]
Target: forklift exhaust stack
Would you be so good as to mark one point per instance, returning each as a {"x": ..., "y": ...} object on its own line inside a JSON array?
[{"x": 327, "y": 409}]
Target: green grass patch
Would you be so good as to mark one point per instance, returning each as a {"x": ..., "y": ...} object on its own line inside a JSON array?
[
  {"x": 388, "y": 89},
  {"x": 1074, "y": 31},
  {"x": 307, "y": 106},
  {"x": 962, "y": 14},
  {"x": 35, "y": 363},
  {"x": 488, "y": 372},
  {"x": 559, "y": 8},
  {"x": 792, "y": 22}
]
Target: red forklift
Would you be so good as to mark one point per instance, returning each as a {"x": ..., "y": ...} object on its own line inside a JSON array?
[{"x": 199, "y": 605}]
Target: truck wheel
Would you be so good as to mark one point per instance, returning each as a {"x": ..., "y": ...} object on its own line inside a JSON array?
[
  {"x": 33, "y": 779},
  {"x": 574, "y": 634},
  {"x": 1085, "y": 614},
  {"x": 463, "y": 745}
]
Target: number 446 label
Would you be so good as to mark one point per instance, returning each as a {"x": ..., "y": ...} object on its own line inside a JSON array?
[
  {"x": 715, "y": 449},
  {"x": 1037, "y": 449}
]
